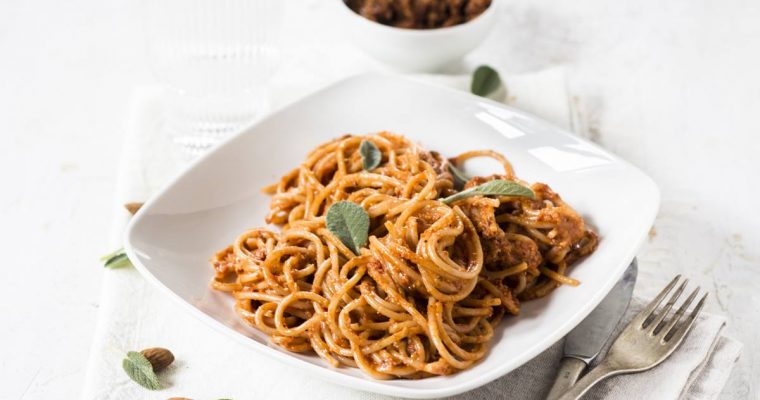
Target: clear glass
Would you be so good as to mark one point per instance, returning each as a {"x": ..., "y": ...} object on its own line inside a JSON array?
[{"x": 214, "y": 58}]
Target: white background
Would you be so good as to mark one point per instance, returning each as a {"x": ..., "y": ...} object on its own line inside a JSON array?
[{"x": 673, "y": 86}]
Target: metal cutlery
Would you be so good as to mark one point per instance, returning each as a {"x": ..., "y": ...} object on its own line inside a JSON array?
[
  {"x": 646, "y": 341},
  {"x": 586, "y": 340}
]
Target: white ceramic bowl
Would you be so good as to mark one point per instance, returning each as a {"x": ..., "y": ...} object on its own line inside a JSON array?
[
  {"x": 218, "y": 196},
  {"x": 416, "y": 50}
]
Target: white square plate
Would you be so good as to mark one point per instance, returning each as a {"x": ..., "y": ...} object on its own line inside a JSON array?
[{"x": 172, "y": 237}]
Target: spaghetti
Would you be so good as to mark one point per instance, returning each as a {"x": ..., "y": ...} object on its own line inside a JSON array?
[{"x": 422, "y": 297}]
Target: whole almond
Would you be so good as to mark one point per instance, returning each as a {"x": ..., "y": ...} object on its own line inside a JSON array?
[
  {"x": 159, "y": 357},
  {"x": 133, "y": 207}
]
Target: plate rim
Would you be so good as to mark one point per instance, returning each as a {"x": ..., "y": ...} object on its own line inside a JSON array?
[{"x": 327, "y": 373}]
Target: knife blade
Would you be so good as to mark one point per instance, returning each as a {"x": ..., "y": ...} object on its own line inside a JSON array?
[{"x": 586, "y": 340}]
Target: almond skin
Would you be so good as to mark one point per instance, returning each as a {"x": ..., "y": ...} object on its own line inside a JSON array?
[
  {"x": 159, "y": 357},
  {"x": 133, "y": 207}
]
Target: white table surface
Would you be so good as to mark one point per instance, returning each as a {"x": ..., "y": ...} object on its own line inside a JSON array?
[{"x": 671, "y": 86}]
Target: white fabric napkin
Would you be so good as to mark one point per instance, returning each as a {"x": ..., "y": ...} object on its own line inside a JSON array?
[{"x": 134, "y": 315}]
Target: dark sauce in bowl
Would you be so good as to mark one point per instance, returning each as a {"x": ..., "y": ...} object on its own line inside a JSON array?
[{"x": 419, "y": 14}]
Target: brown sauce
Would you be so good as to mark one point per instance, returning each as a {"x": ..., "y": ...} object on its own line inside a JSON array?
[{"x": 419, "y": 14}]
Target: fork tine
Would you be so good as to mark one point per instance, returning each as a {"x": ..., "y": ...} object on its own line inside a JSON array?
[
  {"x": 679, "y": 313},
  {"x": 645, "y": 313},
  {"x": 666, "y": 310},
  {"x": 680, "y": 332}
]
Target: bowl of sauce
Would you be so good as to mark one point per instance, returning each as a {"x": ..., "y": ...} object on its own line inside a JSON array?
[{"x": 417, "y": 35}]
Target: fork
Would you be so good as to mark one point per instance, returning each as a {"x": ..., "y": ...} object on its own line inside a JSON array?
[{"x": 646, "y": 341}]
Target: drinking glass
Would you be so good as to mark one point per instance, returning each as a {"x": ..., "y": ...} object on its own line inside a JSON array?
[{"x": 214, "y": 58}]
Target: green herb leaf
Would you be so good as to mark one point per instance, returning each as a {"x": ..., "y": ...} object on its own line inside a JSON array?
[
  {"x": 117, "y": 259},
  {"x": 371, "y": 155},
  {"x": 350, "y": 223},
  {"x": 485, "y": 80},
  {"x": 112, "y": 254},
  {"x": 140, "y": 370},
  {"x": 460, "y": 178},
  {"x": 498, "y": 187}
]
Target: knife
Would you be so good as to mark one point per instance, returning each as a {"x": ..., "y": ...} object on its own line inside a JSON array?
[{"x": 585, "y": 341}]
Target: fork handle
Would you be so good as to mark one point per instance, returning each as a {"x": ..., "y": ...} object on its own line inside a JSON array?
[
  {"x": 602, "y": 371},
  {"x": 569, "y": 371}
]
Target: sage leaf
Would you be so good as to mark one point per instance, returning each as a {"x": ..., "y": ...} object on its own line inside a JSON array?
[
  {"x": 499, "y": 187},
  {"x": 485, "y": 80},
  {"x": 350, "y": 223},
  {"x": 371, "y": 155},
  {"x": 460, "y": 178},
  {"x": 140, "y": 370},
  {"x": 116, "y": 259}
]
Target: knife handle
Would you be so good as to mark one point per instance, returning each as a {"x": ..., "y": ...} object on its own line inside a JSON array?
[{"x": 570, "y": 370}]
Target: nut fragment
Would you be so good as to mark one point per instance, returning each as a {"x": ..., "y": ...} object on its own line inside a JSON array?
[
  {"x": 159, "y": 357},
  {"x": 133, "y": 207},
  {"x": 179, "y": 398}
]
